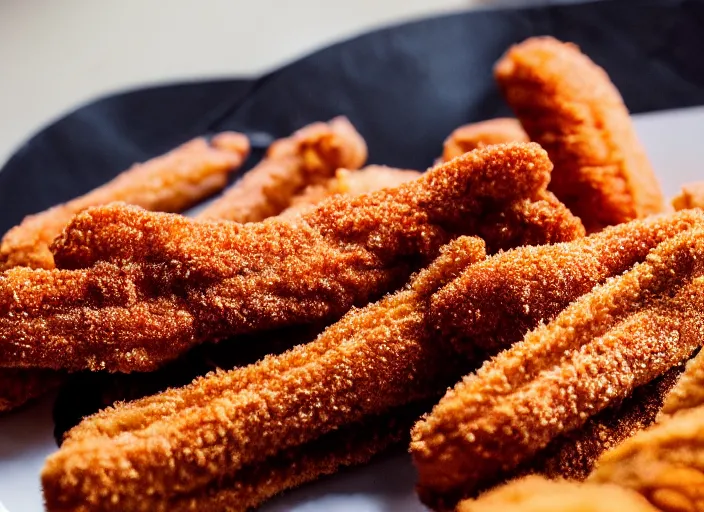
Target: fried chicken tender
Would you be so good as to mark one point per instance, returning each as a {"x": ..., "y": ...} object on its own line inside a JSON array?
[
  {"x": 348, "y": 446},
  {"x": 153, "y": 285},
  {"x": 484, "y": 133},
  {"x": 168, "y": 183},
  {"x": 184, "y": 440},
  {"x": 494, "y": 303},
  {"x": 664, "y": 463},
  {"x": 574, "y": 454},
  {"x": 568, "y": 105},
  {"x": 691, "y": 196},
  {"x": 310, "y": 156},
  {"x": 353, "y": 183},
  {"x": 536, "y": 494},
  {"x": 621, "y": 335},
  {"x": 171, "y": 182},
  {"x": 688, "y": 393}
]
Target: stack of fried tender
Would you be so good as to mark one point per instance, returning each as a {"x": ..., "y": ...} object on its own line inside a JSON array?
[{"x": 579, "y": 339}]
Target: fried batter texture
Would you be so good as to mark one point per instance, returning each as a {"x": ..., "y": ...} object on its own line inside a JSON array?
[
  {"x": 179, "y": 282},
  {"x": 621, "y": 335},
  {"x": 352, "y": 445},
  {"x": 691, "y": 196},
  {"x": 168, "y": 183},
  {"x": 308, "y": 157},
  {"x": 373, "y": 360},
  {"x": 484, "y": 133},
  {"x": 536, "y": 494},
  {"x": 171, "y": 182},
  {"x": 665, "y": 463},
  {"x": 568, "y": 105},
  {"x": 352, "y": 183},
  {"x": 574, "y": 454},
  {"x": 494, "y": 303},
  {"x": 688, "y": 393}
]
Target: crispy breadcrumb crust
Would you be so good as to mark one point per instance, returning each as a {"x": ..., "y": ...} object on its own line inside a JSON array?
[
  {"x": 168, "y": 183},
  {"x": 621, "y": 335},
  {"x": 568, "y": 105},
  {"x": 536, "y": 494},
  {"x": 308, "y": 157},
  {"x": 484, "y": 133}
]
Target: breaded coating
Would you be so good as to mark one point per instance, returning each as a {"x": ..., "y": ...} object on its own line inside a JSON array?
[
  {"x": 168, "y": 183},
  {"x": 568, "y": 105},
  {"x": 167, "y": 283},
  {"x": 182, "y": 441},
  {"x": 484, "y": 133},
  {"x": 536, "y": 494},
  {"x": 691, "y": 196},
  {"x": 493, "y": 304},
  {"x": 18, "y": 387},
  {"x": 171, "y": 182},
  {"x": 353, "y": 183},
  {"x": 621, "y": 335},
  {"x": 349, "y": 446},
  {"x": 573, "y": 455},
  {"x": 688, "y": 393},
  {"x": 310, "y": 156},
  {"x": 664, "y": 463}
]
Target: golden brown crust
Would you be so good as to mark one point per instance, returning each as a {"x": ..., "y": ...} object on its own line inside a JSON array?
[
  {"x": 171, "y": 182},
  {"x": 484, "y": 133},
  {"x": 354, "y": 183},
  {"x": 691, "y": 196},
  {"x": 621, "y": 335},
  {"x": 168, "y": 183},
  {"x": 664, "y": 463},
  {"x": 688, "y": 393},
  {"x": 568, "y": 105},
  {"x": 349, "y": 446},
  {"x": 493, "y": 304},
  {"x": 536, "y": 494},
  {"x": 213, "y": 280},
  {"x": 574, "y": 454},
  {"x": 310, "y": 156},
  {"x": 181, "y": 441}
]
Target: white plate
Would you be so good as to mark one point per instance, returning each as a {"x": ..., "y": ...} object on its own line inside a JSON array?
[{"x": 677, "y": 153}]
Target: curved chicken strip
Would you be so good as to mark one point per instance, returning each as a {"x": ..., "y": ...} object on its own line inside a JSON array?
[
  {"x": 692, "y": 196},
  {"x": 130, "y": 418},
  {"x": 169, "y": 183},
  {"x": 494, "y": 303},
  {"x": 484, "y": 133},
  {"x": 665, "y": 463},
  {"x": 371, "y": 361},
  {"x": 568, "y": 105},
  {"x": 352, "y": 183},
  {"x": 535, "y": 494},
  {"x": 574, "y": 454},
  {"x": 167, "y": 282},
  {"x": 351, "y": 445},
  {"x": 310, "y": 156},
  {"x": 621, "y": 335},
  {"x": 688, "y": 393}
]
